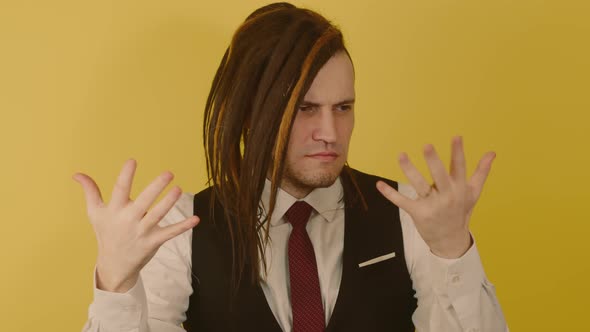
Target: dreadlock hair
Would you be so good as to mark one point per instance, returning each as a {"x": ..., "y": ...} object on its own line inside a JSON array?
[{"x": 265, "y": 72}]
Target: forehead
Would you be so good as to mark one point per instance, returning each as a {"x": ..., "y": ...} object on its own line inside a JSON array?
[{"x": 334, "y": 81}]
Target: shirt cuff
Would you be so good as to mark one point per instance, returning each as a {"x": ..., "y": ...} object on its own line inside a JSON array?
[
  {"x": 459, "y": 280},
  {"x": 119, "y": 311}
]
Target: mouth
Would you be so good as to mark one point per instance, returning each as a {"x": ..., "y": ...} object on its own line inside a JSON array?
[{"x": 324, "y": 156}]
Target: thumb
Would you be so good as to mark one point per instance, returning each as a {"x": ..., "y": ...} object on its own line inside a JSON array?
[
  {"x": 394, "y": 196},
  {"x": 91, "y": 191},
  {"x": 168, "y": 232}
]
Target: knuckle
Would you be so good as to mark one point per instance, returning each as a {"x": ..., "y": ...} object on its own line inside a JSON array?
[
  {"x": 423, "y": 214},
  {"x": 145, "y": 239},
  {"x": 156, "y": 214},
  {"x": 95, "y": 214},
  {"x": 150, "y": 242},
  {"x": 448, "y": 200},
  {"x": 128, "y": 214},
  {"x": 120, "y": 186}
]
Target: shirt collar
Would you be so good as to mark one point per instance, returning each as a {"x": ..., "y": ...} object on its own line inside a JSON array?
[{"x": 325, "y": 201}]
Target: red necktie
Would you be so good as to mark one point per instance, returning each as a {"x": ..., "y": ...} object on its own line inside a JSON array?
[{"x": 306, "y": 297}]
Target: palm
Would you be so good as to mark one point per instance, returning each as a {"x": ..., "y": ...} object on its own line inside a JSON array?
[
  {"x": 127, "y": 231},
  {"x": 442, "y": 211}
]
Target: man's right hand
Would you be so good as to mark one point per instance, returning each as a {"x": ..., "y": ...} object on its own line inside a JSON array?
[{"x": 127, "y": 234}]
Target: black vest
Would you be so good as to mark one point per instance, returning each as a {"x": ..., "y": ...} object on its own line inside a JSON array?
[{"x": 378, "y": 297}]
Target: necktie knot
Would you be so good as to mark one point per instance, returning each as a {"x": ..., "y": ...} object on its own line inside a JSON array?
[{"x": 298, "y": 214}]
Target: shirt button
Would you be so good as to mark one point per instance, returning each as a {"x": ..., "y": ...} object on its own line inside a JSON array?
[{"x": 455, "y": 278}]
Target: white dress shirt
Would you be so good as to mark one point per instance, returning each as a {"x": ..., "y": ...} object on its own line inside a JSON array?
[{"x": 452, "y": 294}]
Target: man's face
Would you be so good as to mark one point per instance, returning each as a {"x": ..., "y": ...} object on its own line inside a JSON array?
[{"x": 318, "y": 146}]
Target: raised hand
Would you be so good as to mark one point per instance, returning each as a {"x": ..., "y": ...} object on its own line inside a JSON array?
[
  {"x": 127, "y": 234},
  {"x": 442, "y": 211}
]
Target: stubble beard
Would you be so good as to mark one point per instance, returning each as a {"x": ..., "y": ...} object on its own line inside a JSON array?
[{"x": 307, "y": 181}]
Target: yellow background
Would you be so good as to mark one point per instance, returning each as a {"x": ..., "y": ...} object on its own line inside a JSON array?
[{"x": 86, "y": 84}]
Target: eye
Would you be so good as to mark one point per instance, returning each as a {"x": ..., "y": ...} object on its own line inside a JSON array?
[
  {"x": 344, "y": 108},
  {"x": 305, "y": 108}
]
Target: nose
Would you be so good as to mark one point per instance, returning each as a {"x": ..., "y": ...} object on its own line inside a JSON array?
[{"x": 325, "y": 129}]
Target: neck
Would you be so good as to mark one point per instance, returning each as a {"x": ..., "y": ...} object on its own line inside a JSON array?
[
  {"x": 292, "y": 189},
  {"x": 296, "y": 191}
]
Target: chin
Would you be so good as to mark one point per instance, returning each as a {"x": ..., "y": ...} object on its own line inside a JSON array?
[
  {"x": 320, "y": 178},
  {"x": 320, "y": 181}
]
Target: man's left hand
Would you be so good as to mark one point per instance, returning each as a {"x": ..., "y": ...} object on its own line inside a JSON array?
[{"x": 442, "y": 211}]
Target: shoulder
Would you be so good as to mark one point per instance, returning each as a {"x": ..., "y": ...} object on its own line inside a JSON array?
[
  {"x": 367, "y": 183},
  {"x": 204, "y": 207},
  {"x": 366, "y": 178},
  {"x": 203, "y": 196}
]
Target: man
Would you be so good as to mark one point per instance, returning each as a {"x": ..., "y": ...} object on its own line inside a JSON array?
[{"x": 289, "y": 237}]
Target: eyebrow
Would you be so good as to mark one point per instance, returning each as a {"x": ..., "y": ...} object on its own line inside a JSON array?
[{"x": 344, "y": 102}]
